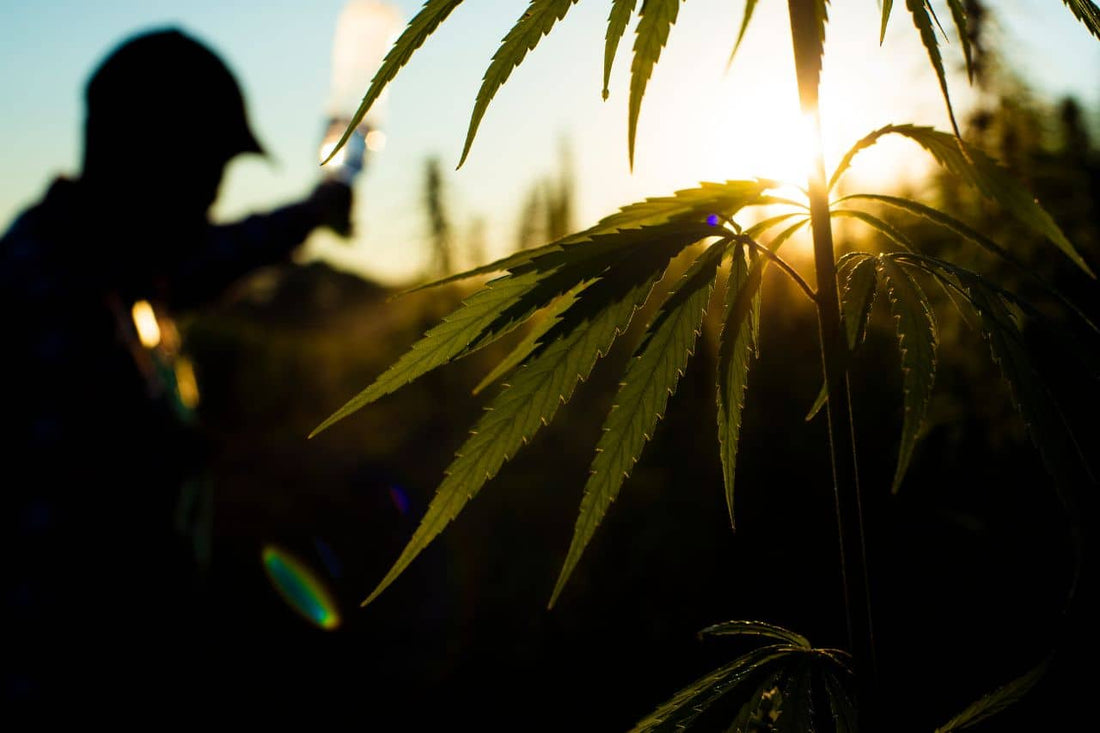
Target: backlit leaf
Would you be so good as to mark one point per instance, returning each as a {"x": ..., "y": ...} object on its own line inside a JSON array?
[
  {"x": 532, "y": 26},
  {"x": 757, "y": 712},
  {"x": 970, "y": 234},
  {"x": 808, "y": 18},
  {"x": 584, "y": 333},
  {"x": 856, "y": 274},
  {"x": 756, "y": 628},
  {"x": 621, "y": 13},
  {"x": 857, "y": 293},
  {"x": 722, "y": 200},
  {"x": 916, "y": 329},
  {"x": 887, "y": 6},
  {"x": 656, "y": 19},
  {"x": 416, "y": 32},
  {"x": 649, "y": 381},
  {"x": 733, "y": 363},
  {"x": 692, "y": 204},
  {"x": 694, "y": 700},
  {"x": 841, "y": 704},
  {"x": 958, "y": 14},
  {"x": 1086, "y": 12},
  {"x": 444, "y": 342},
  {"x": 1046, "y": 426},
  {"x": 921, "y": 11},
  {"x": 795, "y": 704},
  {"x": 996, "y": 701},
  {"x": 983, "y": 173},
  {"x": 750, "y": 5},
  {"x": 548, "y": 318}
]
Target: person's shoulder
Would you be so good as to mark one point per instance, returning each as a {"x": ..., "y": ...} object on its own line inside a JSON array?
[{"x": 33, "y": 237}]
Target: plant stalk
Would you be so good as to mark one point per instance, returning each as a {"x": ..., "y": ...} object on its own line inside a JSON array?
[{"x": 834, "y": 354}]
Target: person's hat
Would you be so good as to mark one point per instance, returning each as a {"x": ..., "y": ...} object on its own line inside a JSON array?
[{"x": 164, "y": 86}]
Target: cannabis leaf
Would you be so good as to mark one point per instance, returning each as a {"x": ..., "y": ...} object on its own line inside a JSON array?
[
  {"x": 656, "y": 19},
  {"x": 922, "y": 13},
  {"x": 887, "y": 6},
  {"x": 535, "y": 23},
  {"x": 416, "y": 32},
  {"x": 734, "y": 351},
  {"x": 649, "y": 381},
  {"x": 444, "y": 342},
  {"x": 542, "y": 384},
  {"x": 808, "y": 20},
  {"x": 916, "y": 329},
  {"x": 1086, "y": 12},
  {"x": 958, "y": 14},
  {"x": 621, "y": 12},
  {"x": 981, "y": 172},
  {"x": 781, "y": 678},
  {"x": 550, "y": 316},
  {"x": 856, "y": 273},
  {"x": 756, "y": 628},
  {"x": 695, "y": 699}
]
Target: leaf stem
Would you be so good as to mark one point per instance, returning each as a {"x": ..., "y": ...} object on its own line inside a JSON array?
[
  {"x": 783, "y": 264},
  {"x": 807, "y": 46}
]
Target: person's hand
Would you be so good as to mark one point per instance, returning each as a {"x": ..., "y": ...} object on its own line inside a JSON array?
[{"x": 332, "y": 200}]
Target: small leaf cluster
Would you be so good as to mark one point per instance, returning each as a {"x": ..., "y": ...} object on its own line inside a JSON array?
[{"x": 777, "y": 686}]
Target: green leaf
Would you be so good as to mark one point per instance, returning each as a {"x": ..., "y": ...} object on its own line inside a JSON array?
[
  {"x": 1046, "y": 426},
  {"x": 650, "y": 379},
  {"x": 916, "y": 329},
  {"x": 795, "y": 708},
  {"x": 808, "y": 18},
  {"x": 750, "y": 5},
  {"x": 535, "y": 23},
  {"x": 444, "y": 342},
  {"x": 983, "y": 173},
  {"x": 621, "y": 13},
  {"x": 757, "y": 712},
  {"x": 887, "y": 6},
  {"x": 921, "y": 11},
  {"x": 733, "y": 363},
  {"x": 548, "y": 318},
  {"x": 419, "y": 28},
  {"x": 686, "y": 205},
  {"x": 892, "y": 233},
  {"x": 955, "y": 226},
  {"x": 762, "y": 226},
  {"x": 547, "y": 380},
  {"x": 958, "y": 14},
  {"x": 756, "y": 628},
  {"x": 841, "y": 703},
  {"x": 1086, "y": 12},
  {"x": 656, "y": 19},
  {"x": 694, "y": 700},
  {"x": 857, "y": 293},
  {"x": 692, "y": 204},
  {"x": 856, "y": 275},
  {"x": 996, "y": 701}
]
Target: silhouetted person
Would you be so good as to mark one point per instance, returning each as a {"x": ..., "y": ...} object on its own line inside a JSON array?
[{"x": 98, "y": 440}]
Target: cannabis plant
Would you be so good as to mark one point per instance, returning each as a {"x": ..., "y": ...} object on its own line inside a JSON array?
[{"x": 588, "y": 286}]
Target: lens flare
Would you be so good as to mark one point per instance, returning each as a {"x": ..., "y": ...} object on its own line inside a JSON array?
[
  {"x": 145, "y": 321},
  {"x": 300, "y": 588}
]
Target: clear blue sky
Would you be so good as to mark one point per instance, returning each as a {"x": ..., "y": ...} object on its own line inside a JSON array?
[{"x": 693, "y": 123}]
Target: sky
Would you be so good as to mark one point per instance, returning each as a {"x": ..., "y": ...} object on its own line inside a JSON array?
[{"x": 698, "y": 121}]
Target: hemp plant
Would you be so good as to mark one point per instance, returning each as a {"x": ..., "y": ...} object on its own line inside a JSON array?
[{"x": 588, "y": 287}]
